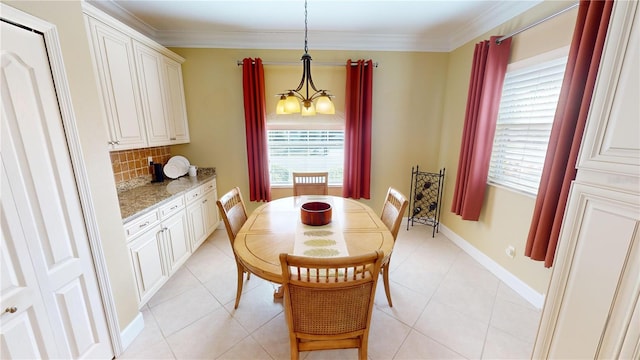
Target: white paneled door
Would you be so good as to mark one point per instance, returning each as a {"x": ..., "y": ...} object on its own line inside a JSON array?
[{"x": 49, "y": 301}]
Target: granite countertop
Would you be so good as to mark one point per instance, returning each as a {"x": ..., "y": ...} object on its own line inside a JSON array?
[{"x": 136, "y": 201}]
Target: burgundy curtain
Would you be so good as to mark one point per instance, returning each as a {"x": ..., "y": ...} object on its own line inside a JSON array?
[
  {"x": 568, "y": 126},
  {"x": 483, "y": 101},
  {"x": 255, "y": 116},
  {"x": 357, "y": 132}
]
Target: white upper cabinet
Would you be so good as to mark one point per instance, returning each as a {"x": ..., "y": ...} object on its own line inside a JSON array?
[
  {"x": 141, "y": 85},
  {"x": 116, "y": 70},
  {"x": 154, "y": 104},
  {"x": 178, "y": 127}
]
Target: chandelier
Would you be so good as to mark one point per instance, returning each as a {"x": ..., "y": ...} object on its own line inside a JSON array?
[{"x": 290, "y": 101}]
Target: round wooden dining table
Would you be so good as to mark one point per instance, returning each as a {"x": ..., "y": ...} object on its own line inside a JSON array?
[{"x": 276, "y": 227}]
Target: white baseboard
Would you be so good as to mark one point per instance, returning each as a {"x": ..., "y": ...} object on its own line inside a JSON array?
[
  {"x": 536, "y": 299},
  {"x": 131, "y": 331}
]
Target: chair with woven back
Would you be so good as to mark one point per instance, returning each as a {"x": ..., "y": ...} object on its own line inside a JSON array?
[
  {"x": 234, "y": 215},
  {"x": 328, "y": 302},
  {"x": 310, "y": 183},
  {"x": 394, "y": 206}
]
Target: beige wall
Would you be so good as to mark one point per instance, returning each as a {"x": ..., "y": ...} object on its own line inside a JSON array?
[
  {"x": 506, "y": 215},
  {"x": 67, "y": 16},
  {"x": 408, "y": 89},
  {"x": 419, "y": 101},
  {"x": 418, "y": 112}
]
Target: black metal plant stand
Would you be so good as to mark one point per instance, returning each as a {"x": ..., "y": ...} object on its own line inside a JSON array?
[{"x": 425, "y": 198}]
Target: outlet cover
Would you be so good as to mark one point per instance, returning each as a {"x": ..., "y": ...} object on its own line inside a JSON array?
[{"x": 510, "y": 251}]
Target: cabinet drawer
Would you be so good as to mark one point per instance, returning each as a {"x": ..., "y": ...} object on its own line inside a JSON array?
[
  {"x": 141, "y": 224},
  {"x": 194, "y": 194},
  {"x": 171, "y": 207},
  {"x": 209, "y": 185}
]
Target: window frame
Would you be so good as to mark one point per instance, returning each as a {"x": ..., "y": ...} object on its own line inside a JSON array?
[
  {"x": 296, "y": 122},
  {"x": 515, "y": 183}
]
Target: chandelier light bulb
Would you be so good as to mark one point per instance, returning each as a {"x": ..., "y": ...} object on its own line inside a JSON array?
[
  {"x": 324, "y": 105},
  {"x": 291, "y": 104},
  {"x": 308, "y": 110},
  {"x": 280, "y": 105}
]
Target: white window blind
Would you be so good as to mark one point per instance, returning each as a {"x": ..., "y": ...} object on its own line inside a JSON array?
[
  {"x": 527, "y": 108},
  {"x": 305, "y": 151}
]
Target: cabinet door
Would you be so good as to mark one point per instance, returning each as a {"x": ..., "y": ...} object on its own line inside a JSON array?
[
  {"x": 592, "y": 308},
  {"x": 197, "y": 224},
  {"x": 178, "y": 126},
  {"x": 150, "y": 70},
  {"x": 115, "y": 67},
  {"x": 147, "y": 259},
  {"x": 176, "y": 237},
  {"x": 210, "y": 212},
  {"x": 596, "y": 273}
]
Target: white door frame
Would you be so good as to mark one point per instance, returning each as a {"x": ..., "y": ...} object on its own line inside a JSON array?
[{"x": 54, "y": 51}]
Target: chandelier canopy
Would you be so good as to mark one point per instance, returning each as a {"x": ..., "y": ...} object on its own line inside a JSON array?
[{"x": 290, "y": 101}]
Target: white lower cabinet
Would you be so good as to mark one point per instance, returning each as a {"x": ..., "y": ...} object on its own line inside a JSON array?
[
  {"x": 210, "y": 212},
  {"x": 163, "y": 239},
  {"x": 175, "y": 232},
  {"x": 196, "y": 223},
  {"x": 146, "y": 253},
  {"x": 202, "y": 212}
]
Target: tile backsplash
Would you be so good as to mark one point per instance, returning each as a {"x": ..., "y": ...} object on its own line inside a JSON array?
[{"x": 132, "y": 164}]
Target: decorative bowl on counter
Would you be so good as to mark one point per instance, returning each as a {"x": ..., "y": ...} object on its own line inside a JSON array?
[{"x": 315, "y": 213}]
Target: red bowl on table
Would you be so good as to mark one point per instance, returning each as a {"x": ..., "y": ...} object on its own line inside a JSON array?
[{"x": 315, "y": 213}]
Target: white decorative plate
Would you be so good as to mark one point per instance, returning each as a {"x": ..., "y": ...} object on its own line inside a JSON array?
[
  {"x": 181, "y": 160},
  {"x": 175, "y": 170}
]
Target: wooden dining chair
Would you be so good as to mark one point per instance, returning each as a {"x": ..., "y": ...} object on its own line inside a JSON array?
[
  {"x": 394, "y": 206},
  {"x": 234, "y": 215},
  {"x": 310, "y": 183},
  {"x": 328, "y": 301}
]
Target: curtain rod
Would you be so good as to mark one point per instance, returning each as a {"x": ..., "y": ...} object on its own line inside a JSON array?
[
  {"x": 535, "y": 24},
  {"x": 239, "y": 63}
]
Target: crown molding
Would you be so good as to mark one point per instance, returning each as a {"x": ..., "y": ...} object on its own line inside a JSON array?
[
  {"x": 294, "y": 41},
  {"x": 493, "y": 17},
  {"x": 324, "y": 40},
  {"x": 113, "y": 9}
]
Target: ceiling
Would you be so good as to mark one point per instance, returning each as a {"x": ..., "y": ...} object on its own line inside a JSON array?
[{"x": 412, "y": 25}]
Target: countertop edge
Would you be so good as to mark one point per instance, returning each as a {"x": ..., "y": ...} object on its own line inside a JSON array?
[{"x": 137, "y": 214}]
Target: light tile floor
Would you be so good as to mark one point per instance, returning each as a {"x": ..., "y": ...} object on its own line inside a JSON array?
[{"x": 446, "y": 306}]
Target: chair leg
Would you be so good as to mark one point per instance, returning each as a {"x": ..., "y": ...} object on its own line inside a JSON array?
[
  {"x": 363, "y": 348},
  {"x": 295, "y": 352},
  {"x": 240, "y": 281},
  {"x": 385, "y": 278}
]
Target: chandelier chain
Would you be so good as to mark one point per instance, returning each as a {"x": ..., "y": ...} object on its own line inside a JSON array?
[{"x": 306, "y": 49}]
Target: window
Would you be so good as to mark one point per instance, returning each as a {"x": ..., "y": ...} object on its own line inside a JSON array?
[
  {"x": 527, "y": 108},
  {"x": 305, "y": 150}
]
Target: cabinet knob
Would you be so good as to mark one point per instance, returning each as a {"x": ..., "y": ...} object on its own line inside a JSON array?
[{"x": 11, "y": 309}]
